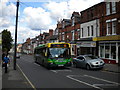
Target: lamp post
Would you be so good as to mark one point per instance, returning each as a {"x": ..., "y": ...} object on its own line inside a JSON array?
[{"x": 14, "y": 66}]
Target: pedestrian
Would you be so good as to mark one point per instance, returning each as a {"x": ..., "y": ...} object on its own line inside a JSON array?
[
  {"x": 3, "y": 55},
  {"x": 6, "y": 60}
]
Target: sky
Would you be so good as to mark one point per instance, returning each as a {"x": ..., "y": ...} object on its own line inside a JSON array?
[{"x": 38, "y": 15}]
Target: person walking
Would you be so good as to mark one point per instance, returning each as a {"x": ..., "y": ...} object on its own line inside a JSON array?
[{"x": 6, "y": 60}]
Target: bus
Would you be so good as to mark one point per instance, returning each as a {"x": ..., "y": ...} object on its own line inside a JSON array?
[{"x": 53, "y": 55}]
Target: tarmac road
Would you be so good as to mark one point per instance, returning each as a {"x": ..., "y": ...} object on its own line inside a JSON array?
[{"x": 40, "y": 77}]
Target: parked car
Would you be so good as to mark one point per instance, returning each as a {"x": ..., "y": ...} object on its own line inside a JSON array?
[{"x": 88, "y": 62}]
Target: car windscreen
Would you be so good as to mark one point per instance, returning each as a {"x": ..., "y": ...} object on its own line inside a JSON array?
[{"x": 90, "y": 57}]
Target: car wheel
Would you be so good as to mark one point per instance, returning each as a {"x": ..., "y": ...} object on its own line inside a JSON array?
[
  {"x": 75, "y": 65},
  {"x": 35, "y": 60},
  {"x": 88, "y": 67}
]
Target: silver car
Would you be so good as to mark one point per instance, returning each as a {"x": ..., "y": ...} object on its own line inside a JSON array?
[{"x": 88, "y": 62}]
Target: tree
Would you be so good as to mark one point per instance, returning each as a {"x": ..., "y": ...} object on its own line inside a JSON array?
[{"x": 6, "y": 41}]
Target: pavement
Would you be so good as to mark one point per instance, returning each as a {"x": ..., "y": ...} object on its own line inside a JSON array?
[
  {"x": 15, "y": 80},
  {"x": 112, "y": 68}
]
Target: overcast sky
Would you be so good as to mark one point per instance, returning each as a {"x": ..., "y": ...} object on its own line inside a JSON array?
[{"x": 37, "y": 15}]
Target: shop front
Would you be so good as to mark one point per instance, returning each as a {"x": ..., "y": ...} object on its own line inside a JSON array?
[
  {"x": 109, "y": 48},
  {"x": 86, "y": 47}
]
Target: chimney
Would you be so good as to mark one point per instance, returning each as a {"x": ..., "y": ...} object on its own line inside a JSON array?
[{"x": 50, "y": 32}]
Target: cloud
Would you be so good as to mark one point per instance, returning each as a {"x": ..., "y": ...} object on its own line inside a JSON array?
[
  {"x": 7, "y": 12},
  {"x": 43, "y": 18},
  {"x": 37, "y": 18},
  {"x": 22, "y": 33}
]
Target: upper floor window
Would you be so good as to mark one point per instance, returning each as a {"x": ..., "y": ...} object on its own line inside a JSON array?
[
  {"x": 113, "y": 7},
  {"x": 107, "y": 8},
  {"x": 108, "y": 28},
  {"x": 114, "y": 27},
  {"x": 63, "y": 24},
  {"x": 73, "y": 21},
  {"x": 88, "y": 31},
  {"x": 82, "y": 32},
  {"x": 63, "y": 36},
  {"x": 73, "y": 35},
  {"x": 92, "y": 31},
  {"x": 78, "y": 34}
]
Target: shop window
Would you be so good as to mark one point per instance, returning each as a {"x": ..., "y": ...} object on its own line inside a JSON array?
[
  {"x": 101, "y": 51},
  {"x": 107, "y": 51},
  {"x": 113, "y": 52}
]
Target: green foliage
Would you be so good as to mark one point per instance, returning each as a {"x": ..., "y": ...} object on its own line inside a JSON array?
[{"x": 6, "y": 40}]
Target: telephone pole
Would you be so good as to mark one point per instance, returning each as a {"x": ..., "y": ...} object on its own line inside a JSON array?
[{"x": 14, "y": 66}]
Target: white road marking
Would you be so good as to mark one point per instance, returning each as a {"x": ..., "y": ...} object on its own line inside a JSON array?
[
  {"x": 37, "y": 64},
  {"x": 109, "y": 72},
  {"x": 56, "y": 71},
  {"x": 26, "y": 78},
  {"x": 105, "y": 85},
  {"x": 69, "y": 76},
  {"x": 102, "y": 79}
]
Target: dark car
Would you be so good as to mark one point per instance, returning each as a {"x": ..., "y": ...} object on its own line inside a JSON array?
[{"x": 88, "y": 62}]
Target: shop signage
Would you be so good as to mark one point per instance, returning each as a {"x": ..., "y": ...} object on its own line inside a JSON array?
[{"x": 86, "y": 44}]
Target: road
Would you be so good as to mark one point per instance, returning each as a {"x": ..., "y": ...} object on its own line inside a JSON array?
[{"x": 40, "y": 77}]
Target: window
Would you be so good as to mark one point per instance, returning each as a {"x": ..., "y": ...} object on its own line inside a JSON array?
[
  {"x": 78, "y": 34},
  {"x": 114, "y": 27},
  {"x": 63, "y": 38},
  {"x": 88, "y": 31},
  {"x": 113, "y": 7},
  {"x": 80, "y": 58},
  {"x": 92, "y": 34},
  {"x": 72, "y": 35},
  {"x": 101, "y": 51},
  {"x": 108, "y": 28},
  {"x": 82, "y": 32},
  {"x": 107, "y": 8},
  {"x": 73, "y": 21},
  {"x": 63, "y": 24},
  {"x": 107, "y": 51},
  {"x": 113, "y": 51}
]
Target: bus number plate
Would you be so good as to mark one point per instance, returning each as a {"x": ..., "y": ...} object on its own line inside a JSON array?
[{"x": 60, "y": 65}]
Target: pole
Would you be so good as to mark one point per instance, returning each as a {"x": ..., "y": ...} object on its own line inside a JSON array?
[{"x": 16, "y": 35}]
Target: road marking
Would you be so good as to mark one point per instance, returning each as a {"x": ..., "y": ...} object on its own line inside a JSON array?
[
  {"x": 53, "y": 71},
  {"x": 109, "y": 72},
  {"x": 102, "y": 79},
  {"x": 37, "y": 64},
  {"x": 56, "y": 71},
  {"x": 26, "y": 78},
  {"x": 105, "y": 85},
  {"x": 69, "y": 76}
]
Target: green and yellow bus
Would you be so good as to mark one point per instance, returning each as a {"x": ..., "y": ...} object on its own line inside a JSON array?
[{"x": 53, "y": 54}]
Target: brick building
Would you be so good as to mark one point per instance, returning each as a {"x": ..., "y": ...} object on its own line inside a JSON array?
[
  {"x": 109, "y": 40},
  {"x": 90, "y": 26},
  {"x": 68, "y": 31}
]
